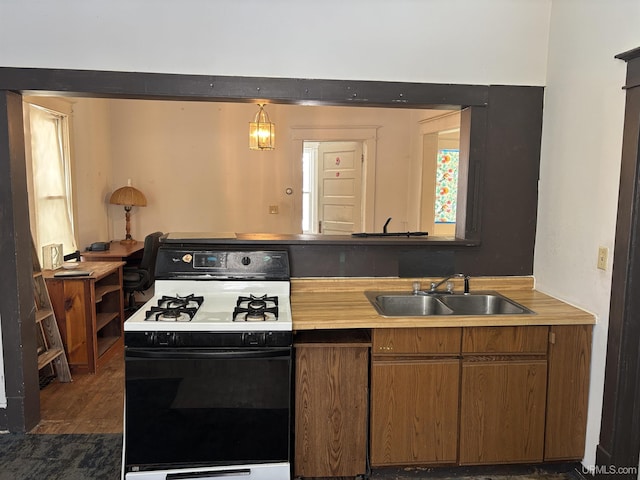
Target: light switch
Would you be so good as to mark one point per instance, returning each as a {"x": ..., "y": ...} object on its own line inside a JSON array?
[{"x": 603, "y": 256}]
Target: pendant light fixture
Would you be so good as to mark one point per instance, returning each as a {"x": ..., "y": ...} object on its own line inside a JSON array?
[{"x": 262, "y": 133}]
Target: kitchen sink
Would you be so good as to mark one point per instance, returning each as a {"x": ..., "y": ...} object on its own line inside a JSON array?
[
  {"x": 398, "y": 304},
  {"x": 402, "y": 305},
  {"x": 483, "y": 304}
]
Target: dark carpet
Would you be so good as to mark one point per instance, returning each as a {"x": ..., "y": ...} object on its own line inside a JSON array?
[
  {"x": 99, "y": 456},
  {"x": 58, "y": 457}
]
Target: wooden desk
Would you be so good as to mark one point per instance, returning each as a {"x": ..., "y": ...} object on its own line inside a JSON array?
[
  {"x": 116, "y": 252},
  {"x": 90, "y": 313}
]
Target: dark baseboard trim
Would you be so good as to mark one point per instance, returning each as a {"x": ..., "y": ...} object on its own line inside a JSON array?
[
  {"x": 573, "y": 469},
  {"x": 603, "y": 457}
]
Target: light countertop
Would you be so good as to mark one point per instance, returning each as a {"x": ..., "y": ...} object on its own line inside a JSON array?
[{"x": 340, "y": 303}]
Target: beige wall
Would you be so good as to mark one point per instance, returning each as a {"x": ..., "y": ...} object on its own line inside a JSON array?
[
  {"x": 92, "y": 170},
  {"x": 580, "y": 166},
  {"x": 192, "y": 162}
]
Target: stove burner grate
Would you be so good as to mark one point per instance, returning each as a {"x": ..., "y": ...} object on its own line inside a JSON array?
[
  {"x": 178, "y": 314},
  {"x": 251, "y": 298},
  {"x": 175, "y": 309},
  {"x": 178, "y": 301},
  {"x": 255, "y": 309}
]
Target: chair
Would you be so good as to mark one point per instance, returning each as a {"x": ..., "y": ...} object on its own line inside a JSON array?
[{"x": 141, "y": 277}]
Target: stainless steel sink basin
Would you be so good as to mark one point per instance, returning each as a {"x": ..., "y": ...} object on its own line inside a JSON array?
[
  {"x": 483, "y": 304},
  {"x": 401, "y": 305},
  {"x": 398, "y": 304}
]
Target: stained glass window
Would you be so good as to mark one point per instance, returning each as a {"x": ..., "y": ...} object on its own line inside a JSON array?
[{"x": 446, "y": 186}]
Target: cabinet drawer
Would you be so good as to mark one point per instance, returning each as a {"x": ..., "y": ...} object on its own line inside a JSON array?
[
  {"x": 496, "y": 340},
  {"x": 433, "y": 341}
]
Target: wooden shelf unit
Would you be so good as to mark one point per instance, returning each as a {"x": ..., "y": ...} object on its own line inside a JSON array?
[{"x": 90, "y": 313}]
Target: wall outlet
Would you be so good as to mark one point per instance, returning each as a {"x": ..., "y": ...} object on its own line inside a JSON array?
[
  {"x": 273, "y": 209},
  {"x": 603, "y": 257}
]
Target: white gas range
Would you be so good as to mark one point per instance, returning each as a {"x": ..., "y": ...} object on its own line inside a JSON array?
[
  {"x": 208, "y": 367},
  {"x": 215, "y": 306},
  {"x": 217, "y": 290}
]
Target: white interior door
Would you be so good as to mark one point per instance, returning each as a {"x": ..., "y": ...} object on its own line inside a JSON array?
[{"x": 339, "y": 187}]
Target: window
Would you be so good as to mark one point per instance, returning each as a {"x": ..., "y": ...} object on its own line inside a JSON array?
[
  {"x": 50, "y": 204},
  {"x": 446, "y": 186}
]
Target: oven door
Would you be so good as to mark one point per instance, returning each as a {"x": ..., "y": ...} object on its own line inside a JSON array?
[{"x": 200, "y": 408}]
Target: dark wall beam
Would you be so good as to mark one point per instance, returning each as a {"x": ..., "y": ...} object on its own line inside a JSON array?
[
  {"x": 17, "y": 310},
  {"x": 239, "y": 89},
  {"x": 619, "y": 444}
]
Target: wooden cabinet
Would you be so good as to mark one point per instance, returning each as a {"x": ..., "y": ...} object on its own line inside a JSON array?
[
  {"x": 479, "y": 395},
  {"x": 90, "y": 313},
  {"x": 503, "y": 399},
  {"x": 331, "y": 385},
  {"x": 568, "y": 391},
  {"x": 414, "y": 396},
  {"x": 467, "y": 396}
]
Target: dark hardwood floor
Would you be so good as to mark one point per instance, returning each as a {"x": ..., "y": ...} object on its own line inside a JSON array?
[{"x": 91, "y": 403}]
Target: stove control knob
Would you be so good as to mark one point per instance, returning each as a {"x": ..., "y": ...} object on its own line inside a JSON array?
[
  {"x": 254, "y": 339},
  {"x": 245, "y": 260},
  {"x": 165, "y": 339}
]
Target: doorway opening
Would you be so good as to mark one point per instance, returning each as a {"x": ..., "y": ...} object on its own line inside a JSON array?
[
  {"x": 332, "y": 186},
  {"x": 333, "y": 150}
]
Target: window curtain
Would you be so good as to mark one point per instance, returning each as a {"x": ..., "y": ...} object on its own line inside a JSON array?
[{"x": 51, "y": 179}]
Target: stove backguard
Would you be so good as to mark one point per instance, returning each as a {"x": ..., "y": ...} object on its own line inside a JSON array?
[{"x": 207, "y": 263}]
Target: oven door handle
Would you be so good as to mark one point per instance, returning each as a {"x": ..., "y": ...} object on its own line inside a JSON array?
[
  {"x": 211, "y": 354},
  {"x": 209, "y": 474}
]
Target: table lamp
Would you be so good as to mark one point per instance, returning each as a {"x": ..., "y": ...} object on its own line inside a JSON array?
[{"x": 129, "y": 197}]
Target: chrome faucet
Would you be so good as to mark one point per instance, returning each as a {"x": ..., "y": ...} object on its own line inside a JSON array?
[{"x": 435, "y": 285}]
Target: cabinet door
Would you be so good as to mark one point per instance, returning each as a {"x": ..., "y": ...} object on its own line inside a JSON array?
[
  {"x": 568, "y": 396},
  {"x": 331, "y": 411},
  {"x": 502, "y": 411},
  {"x": 70, "y": 301},
  {"x": 414, "y": 412}
]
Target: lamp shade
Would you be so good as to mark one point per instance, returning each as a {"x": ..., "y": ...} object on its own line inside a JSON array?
[
  {"x": 262, "y": 133},
  {"x": 129, "y": 196}
]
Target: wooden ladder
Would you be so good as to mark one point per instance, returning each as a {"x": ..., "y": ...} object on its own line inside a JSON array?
[{"x": 50, "y": 347}]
